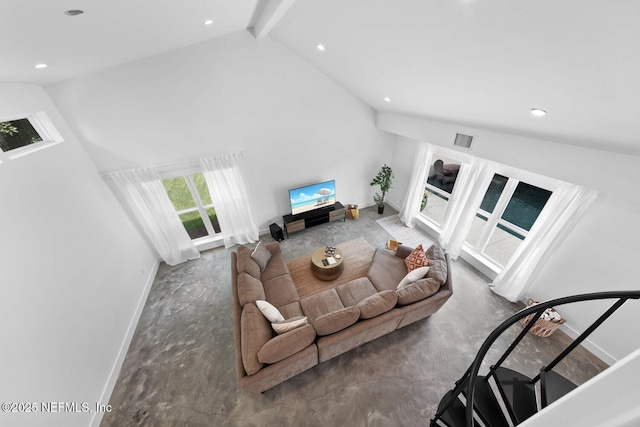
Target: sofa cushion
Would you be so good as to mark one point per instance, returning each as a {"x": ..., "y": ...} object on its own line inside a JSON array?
[
  {"x": 434, "y": 252},
  {"x": 416, "y": 259},
  {"x": 336, "y": 320},
  {"x": 277, "y": 266},
  {"x": 280, "y": 290},
  {"x": 321, "y": 303},
  {"x": 417, "y": 291},
  {"x": 351, "y": 293},
  {"x": 413, "y": 275},
  {"x": 386, "y": 270},
  {"x": 377, "y": 304},
  {"x": 291, "y": 310},
  {"x": 269, "y": 311},
  {"x": 285, "y": 345},
  {"x": 438, "y": 271},
  {"x": 289, "y": 324},
  {"x": 437, "y": 262},
  {"x": 261, "y": 255},
  {"x": 246, "y": 264},
  {"x": 255, "y": 332},
  {"x": 249, "y": 289}
]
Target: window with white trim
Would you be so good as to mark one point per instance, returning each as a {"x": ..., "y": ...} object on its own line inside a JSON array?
[
  {"x": 508, "y": 210},
  {"x": 441, "y": 180},
  {"x": 190, "y": 197},
  {"x": 24, "y": 134}
]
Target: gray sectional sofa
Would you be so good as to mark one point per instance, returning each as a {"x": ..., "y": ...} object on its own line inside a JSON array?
[{"x": 338, "y": 319}]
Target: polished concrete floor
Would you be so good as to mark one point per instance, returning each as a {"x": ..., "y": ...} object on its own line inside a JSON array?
[{"x": 180, "y": 367}]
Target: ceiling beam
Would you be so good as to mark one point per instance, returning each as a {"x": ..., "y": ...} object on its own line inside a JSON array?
[{"x": 271, "y": 13}]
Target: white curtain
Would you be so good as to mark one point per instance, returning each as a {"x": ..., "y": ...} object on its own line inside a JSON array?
[
  {"x": 562, "y": 211},
  {"x": 226, "y": 184},
  {"x": 419, "y": 174},
  {"x": 143, "y": 195},
  {"x": 471, "y": 185}
]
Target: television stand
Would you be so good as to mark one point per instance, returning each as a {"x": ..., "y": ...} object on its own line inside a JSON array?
[{"x": 293, "y": 223}]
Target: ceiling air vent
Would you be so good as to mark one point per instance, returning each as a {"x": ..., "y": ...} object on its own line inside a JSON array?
[{"x": 463, "y": 140}]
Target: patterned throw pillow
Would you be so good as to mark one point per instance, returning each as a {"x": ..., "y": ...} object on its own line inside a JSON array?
[{"x": 416, "y": 259}]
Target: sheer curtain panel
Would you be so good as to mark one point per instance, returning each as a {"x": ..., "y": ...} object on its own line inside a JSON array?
[
  {"x": 144, "y": 197},
  {"x": 226, "y": 184},
  {"x": 563, "y": 210},
  {"x": 471, "y": 185},
  {"x": 413, "y": 196}
]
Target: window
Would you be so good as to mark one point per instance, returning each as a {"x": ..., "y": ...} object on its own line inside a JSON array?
[
  {"x": 508, "y": 211},
  {"x": 190, "y": 197},
  {"x": 443, "y": 173},
  {"x": 17, "y": 133},
  {"x": 20, "y": 135}
]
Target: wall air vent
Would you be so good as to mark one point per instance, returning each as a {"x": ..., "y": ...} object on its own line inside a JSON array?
[{"x": 463, "y": 140}]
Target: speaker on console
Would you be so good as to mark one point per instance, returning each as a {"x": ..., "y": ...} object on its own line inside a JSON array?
[{"x": 276, "y": 232}]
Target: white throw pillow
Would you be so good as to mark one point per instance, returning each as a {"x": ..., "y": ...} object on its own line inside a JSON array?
[
  {"x": 289, "y": 324},
  {"x": 269, "y": 311},
  {"x": 413, "y": 275}
]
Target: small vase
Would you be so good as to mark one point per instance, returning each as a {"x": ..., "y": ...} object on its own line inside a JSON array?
[{"x": 381, "y": 209}]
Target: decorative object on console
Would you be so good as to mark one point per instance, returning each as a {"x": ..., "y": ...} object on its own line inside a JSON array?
[
  {"x": 353, "y": 212},
  {"x": 384, "y": 178}
]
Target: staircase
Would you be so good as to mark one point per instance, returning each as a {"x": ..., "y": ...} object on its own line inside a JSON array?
[{"x": 504, "y": 397}]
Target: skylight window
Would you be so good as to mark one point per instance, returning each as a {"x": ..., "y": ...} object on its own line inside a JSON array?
[
  {"x": 20, "y": 135},
  {"x": 17, "y": 133}
]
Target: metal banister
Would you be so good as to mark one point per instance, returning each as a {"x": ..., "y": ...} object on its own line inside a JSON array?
[{"x": 538, "y": 309}]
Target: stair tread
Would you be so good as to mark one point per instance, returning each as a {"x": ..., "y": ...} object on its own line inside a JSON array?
[
  {"x": 553, "y": 387},
  {"x": 487, "y": 405},
  {"x": 455, "y": 415},
  {"x": 518, "y": 392}
]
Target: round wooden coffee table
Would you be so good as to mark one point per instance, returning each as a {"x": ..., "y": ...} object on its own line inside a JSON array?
[{"x": 329, "y": 271}]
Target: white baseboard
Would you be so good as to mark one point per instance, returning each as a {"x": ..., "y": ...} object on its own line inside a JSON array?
[
  {"x": 115, "y": 371},
  {"x": 589, "y": 345}
]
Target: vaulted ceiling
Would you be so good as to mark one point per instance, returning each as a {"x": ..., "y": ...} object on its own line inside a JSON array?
[{"x": 483, "y": 63}]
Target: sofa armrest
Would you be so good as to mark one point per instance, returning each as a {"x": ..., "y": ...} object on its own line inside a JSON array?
[
  {"x": 403, "y": 251},
  {"x": 274, "y": 247}
]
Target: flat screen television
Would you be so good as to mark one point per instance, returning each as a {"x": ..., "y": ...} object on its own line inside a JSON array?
[{"x": 311, "y": 197}]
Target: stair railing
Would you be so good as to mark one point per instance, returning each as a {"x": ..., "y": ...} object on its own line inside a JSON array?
[{"x": 471, "y": 375}]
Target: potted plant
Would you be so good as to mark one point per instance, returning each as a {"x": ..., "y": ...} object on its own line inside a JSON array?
[
  {"x": 425, "y": 196},
  {"x": 383, "y": 179}
]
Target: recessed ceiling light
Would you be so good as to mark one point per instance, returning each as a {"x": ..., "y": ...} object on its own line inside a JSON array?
[
  {"x": 74, "y": 12},
  {"x": 538, "y": 112},
  {"x": 320, "y": 46},
  {"x": 41, "y": 65},
  {"x": 387, "y": 99},
  {"x": 208, "y": 22}
]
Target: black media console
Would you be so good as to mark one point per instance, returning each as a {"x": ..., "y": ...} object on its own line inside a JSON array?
[{"x": 293, "y": 223}]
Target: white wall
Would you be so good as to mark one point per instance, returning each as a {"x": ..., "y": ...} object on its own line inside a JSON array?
[
  {"x": 73, "y": 272},
  {"x": 600, "y": 254},
  {"x": 295, "y": 125},
  {"x": 611, "y": 398}
]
